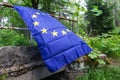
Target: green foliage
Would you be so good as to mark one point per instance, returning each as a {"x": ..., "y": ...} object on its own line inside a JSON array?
[
  {"x": 94, "y": 54},
  {"x": 106, "y": 43},
  {"x": 110, "y": 46},
  {"x": 12, "y": 38},
  {"x": 100, "y": 61},
  {"x": 44, "y": 5},
  {"x": 12, "y": 17},
  {"x": 78, "y": 15},
  {"x": 100, "y": 16},
  {"x": 96, "y": 11},
  {"x": 52, "y": 6},
  {"x": 107, "y": 73},
  {"x": 3, "y": 77},
  {"x": 115, "y": 31}
]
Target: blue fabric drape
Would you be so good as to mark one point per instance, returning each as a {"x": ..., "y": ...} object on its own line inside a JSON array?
[{"x": 58, "y": 45}]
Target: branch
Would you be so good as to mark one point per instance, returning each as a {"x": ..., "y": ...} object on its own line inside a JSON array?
[
  {"x": 6, "y": 5},
  {"x": 11, "y": 6},
  {"x": 13, "y": 28},
  {"x": 18, "y": 70},
  {"x": 59, "y": 17}
]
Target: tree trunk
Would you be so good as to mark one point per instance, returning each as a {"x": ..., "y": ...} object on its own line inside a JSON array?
[{"x": 35, "y": 3}]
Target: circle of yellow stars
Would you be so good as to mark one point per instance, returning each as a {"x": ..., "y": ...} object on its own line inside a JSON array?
[{"x": 45, "y": 30}]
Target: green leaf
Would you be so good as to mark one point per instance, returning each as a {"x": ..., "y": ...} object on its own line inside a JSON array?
[
  {"x": 100, "y": 61},
  {"x": 96, "y": 11}
]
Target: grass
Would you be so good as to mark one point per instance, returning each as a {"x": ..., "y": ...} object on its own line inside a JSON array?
[{"x": 105, "y": 73}]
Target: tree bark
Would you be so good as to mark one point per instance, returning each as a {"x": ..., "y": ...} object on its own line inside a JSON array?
[{"x": 35, "y": 3}]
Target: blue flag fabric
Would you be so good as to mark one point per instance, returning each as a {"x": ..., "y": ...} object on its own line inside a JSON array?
[{"x": 58, "y": 45}]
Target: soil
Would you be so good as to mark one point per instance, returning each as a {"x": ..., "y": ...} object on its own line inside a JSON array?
[{"x": 115, "y": 61}]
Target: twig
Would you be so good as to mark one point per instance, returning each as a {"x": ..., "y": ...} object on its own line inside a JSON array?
[
  {"x": 59, "y": 17},
  {"x": 13, "y": 28}
]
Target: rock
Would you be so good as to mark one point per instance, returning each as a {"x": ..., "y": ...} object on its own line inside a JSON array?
[
  {"x": 22, "y": 63},
  {"x": 18, "y": 55}
]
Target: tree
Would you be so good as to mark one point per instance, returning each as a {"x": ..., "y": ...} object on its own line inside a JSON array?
[
  {"x": 49, "y": 6},
  {"x": 100, "y": 17}
]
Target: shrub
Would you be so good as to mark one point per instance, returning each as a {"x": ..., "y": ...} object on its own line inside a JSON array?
[
  {"x": 105, "y": 73},
  {"x": 107, "y": 44},
  {"x": 111, "y": 46},
  {"x": 12, "y": 38}
]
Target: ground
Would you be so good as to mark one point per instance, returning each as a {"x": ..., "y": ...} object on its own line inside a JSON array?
[{"x": 62, "y": 75}]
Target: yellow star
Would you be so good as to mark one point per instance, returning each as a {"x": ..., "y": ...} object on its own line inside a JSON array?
[
  {"x": 44, "y": 31},
  {"x": 54, "y": 33},
  {"x": 34, "y": 16},
  {"x": 36, "y": 23},
  {"x": 64, "y": 32}
]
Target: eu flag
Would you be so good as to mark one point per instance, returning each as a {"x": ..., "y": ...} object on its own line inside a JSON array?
[{"x": 58, "y": 45}]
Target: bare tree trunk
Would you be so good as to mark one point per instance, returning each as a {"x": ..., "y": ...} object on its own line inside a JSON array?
[{"x": 35, "y": 3}]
